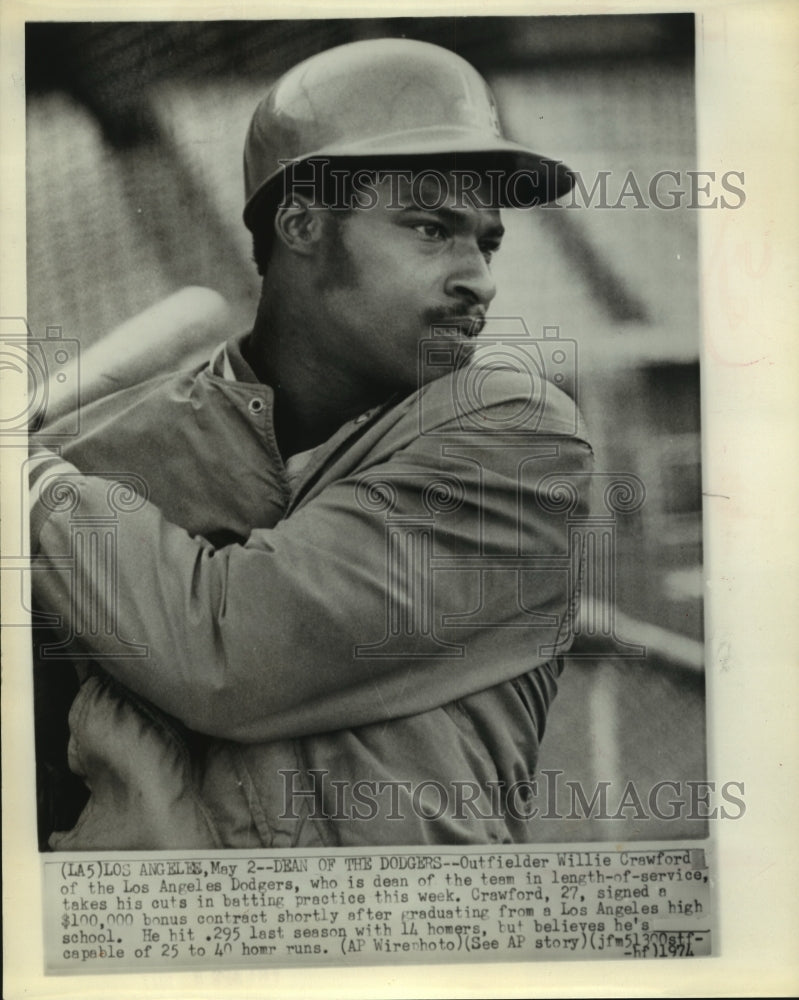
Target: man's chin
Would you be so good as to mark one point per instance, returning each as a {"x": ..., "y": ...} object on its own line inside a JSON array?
[{"x": 444, "y": 355}]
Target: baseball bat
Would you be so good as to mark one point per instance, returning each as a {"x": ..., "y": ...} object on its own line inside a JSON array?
[{"x": 177, "y": 332}]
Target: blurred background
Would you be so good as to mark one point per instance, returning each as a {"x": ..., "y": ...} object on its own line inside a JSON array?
[{"x": 134, "y": 190}]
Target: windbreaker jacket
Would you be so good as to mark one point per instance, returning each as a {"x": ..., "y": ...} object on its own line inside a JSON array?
[{"x": 358, "y": 646}]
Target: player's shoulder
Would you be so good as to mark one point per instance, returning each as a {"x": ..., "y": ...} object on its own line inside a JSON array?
[
  {"x": 507, "y": 394},
  {"x": 139, "y": 408}
]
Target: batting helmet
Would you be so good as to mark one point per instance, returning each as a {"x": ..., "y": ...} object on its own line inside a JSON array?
[{"x": 387, "y": 97}]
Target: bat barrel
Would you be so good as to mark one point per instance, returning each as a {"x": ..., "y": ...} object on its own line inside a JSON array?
[{"x": 177, "y": 332}]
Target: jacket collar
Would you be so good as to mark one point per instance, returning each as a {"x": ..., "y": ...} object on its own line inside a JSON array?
[{"x": 228, "y": 361}]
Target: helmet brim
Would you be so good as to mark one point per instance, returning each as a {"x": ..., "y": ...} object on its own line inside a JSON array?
[{"x": 530, "y": 178}]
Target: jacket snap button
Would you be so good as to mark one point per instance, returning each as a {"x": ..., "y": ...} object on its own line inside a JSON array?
[{"x": 256, "y": 406}]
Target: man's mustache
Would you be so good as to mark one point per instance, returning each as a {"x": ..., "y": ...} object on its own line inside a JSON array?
[{"x": 470, "y": 321}]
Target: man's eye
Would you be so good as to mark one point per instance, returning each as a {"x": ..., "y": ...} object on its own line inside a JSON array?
[
  {"x": 431, "y": 230},
  {"x": 489, "y": 251}
]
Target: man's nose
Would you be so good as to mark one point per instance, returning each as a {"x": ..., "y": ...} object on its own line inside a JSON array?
[{"x": 471, "y": 279}]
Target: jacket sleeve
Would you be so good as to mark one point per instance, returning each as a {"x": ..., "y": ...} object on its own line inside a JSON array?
[{"x": 444, "y": 569}]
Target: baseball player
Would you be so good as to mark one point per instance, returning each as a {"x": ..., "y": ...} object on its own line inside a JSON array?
[{"x": 336, "y": 542}]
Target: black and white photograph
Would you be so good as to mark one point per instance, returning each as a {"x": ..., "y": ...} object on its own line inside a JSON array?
[
  {"x": 361, "y": 577},
  {"x": 366, "y": 490}
]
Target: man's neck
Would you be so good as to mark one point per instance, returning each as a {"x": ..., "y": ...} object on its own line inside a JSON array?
[{"x": 312, "y": 398}]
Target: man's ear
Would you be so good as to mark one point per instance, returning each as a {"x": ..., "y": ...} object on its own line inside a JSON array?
[{"x": 297, "y": 226}]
